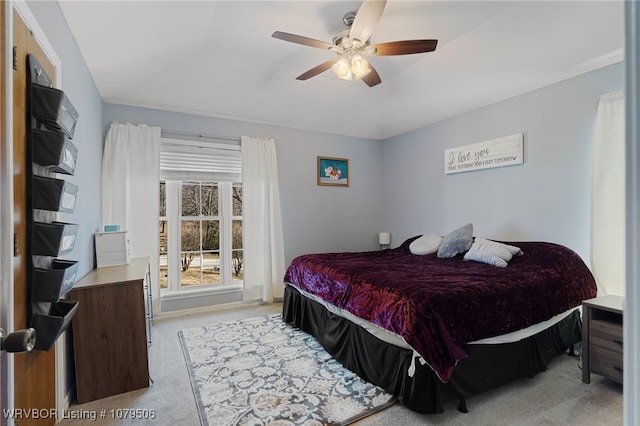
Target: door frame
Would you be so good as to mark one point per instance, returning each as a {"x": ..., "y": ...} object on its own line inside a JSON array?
[
  {"x": 6, "y": 207},
  {"x": 6, "y": 199},
  {"x": 6, "y": 269},
  {"x": 632, "y": 291}
]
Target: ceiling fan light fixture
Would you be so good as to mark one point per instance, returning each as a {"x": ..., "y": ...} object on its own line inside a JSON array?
[
  {"x": 354, "y": 42},
  {"x": 342, "y": 69},
  {"x": 351, "y": 67},
  {"x": 359, "y": 67}
]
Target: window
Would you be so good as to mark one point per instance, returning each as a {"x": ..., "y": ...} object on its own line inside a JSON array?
[
  {"x": 200, "y": 226},
  {"x": 200, "y": 234}
]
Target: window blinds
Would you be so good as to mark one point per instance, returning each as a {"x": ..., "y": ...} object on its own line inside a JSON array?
[{"x": 199, "y": 161}]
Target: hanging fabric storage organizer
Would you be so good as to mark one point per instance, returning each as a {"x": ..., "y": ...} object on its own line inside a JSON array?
[
  {"x": 54, "y": 282},
  {"x": 52, "y": 108},
  {"x": 53, "y": 239},
  {"x": 49, "y": 150},
  {"x": 54, "y": 151},
  {"x": 53, "y": 194}
]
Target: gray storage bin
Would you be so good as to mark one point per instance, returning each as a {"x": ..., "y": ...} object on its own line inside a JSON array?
[
  {"x": 50, "y": 327},
  {"x": 54, "y": 151},
  {"x": 53, "y": 194},
  {"x": 53, "y": 108},
  {"x": 51, "y": 284},
  {"x": 53, "y": 239}
]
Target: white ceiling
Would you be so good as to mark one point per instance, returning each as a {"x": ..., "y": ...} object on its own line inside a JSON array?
[{"x": 217, "y": 58}]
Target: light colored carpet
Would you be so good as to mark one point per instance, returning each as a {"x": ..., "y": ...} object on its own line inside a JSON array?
[
  {"x": 261, "y": 370},
  {"x": 554, "y": 397}
]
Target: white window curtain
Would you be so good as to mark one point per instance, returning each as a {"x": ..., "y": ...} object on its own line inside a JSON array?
[
  {"x": 130, "y": 191},
  {"x": 608, "y": 196},
  {"x": 262, "y": 221}
]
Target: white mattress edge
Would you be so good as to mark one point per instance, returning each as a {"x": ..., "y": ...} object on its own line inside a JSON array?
[
  {"x": 518, "y": 335},
  {"x": 379, "y": 332},
  {"x": 395, "y": 339}
]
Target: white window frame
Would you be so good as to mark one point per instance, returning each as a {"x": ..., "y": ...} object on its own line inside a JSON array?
[{"x": 173, "y": 218}]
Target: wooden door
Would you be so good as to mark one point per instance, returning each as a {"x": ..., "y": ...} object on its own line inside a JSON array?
[
  {"x": 34, "y": 372},
  {"x": 3, "y": 135}
]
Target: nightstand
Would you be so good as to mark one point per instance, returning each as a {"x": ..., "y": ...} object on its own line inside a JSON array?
[{"x": 602, "y": 337}]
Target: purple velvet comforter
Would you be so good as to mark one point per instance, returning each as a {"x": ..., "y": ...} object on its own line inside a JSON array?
[{"x": 438, "y": 305}]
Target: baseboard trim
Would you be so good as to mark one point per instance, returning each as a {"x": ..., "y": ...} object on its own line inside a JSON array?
[{"x": 221, "y": 307}]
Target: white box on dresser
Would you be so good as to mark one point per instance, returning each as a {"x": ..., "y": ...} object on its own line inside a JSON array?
[{"x": 112, "y": 248}]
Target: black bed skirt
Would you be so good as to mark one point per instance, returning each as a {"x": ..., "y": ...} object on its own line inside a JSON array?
[{"x": 386, "y": 365}]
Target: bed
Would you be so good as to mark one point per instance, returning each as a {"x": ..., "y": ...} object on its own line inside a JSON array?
[{"x": 432, "y": 330}]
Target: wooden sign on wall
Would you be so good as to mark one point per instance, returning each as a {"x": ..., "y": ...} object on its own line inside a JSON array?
[{"x": 505, "y": 151}]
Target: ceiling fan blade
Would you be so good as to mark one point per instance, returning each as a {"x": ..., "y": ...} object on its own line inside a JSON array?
[
  {"x": 405, "y": 47},
  {"x": 306, "y": 41},
  {"x": 315, "y": 71},
  {"x": 366, "y": 19},
  {"x": 372, "y": 78}
]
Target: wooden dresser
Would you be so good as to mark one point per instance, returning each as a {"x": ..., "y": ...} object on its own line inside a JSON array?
[
  {"x": 602, "y": 341},
  {"x": 111, "y": 330}
]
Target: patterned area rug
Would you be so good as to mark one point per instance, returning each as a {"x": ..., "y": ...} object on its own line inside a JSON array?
[{"x": 261, "y": 371}]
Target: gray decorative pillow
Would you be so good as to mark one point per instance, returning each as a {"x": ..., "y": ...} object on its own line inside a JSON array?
[{"x": 457, "y": 241}]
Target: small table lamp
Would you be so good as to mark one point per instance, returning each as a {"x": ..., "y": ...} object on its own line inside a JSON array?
[{"x": 384, "y": 239}]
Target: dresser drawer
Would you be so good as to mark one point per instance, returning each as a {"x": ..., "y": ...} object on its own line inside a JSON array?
[
  {"x": 606, "y": 362},
  {"x": 602, "y": 337},
  {"x": 606, "y": 334}
]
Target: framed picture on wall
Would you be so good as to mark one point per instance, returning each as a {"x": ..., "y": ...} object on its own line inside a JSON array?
[{"x": 333, "y": 171}]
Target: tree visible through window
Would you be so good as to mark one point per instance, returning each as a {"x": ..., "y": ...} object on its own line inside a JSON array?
[{"x": 236, "y": 253}]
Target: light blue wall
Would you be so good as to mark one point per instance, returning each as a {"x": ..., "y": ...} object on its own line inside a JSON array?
[
  {"x": 80, "y": 88},
  {"x": 315, "y": 218},
  {"x": 547, "y": 198}
]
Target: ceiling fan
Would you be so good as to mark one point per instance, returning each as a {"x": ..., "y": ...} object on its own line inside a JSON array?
[{"x": 351, "y": 44}]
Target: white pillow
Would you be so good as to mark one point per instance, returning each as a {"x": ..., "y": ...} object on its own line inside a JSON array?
[
  {"x": 515, "y": 251},
  {"x": 427, "y": 244},
  {"x": 491, "y": 252},
  {"x": 483, "y": 257}
]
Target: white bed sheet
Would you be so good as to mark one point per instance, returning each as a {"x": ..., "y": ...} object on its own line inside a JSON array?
[{"x": 394, "y": 339}]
